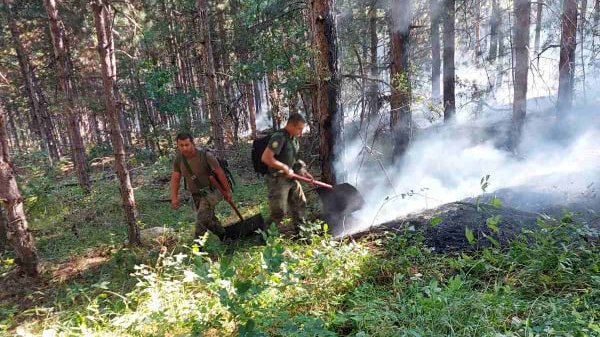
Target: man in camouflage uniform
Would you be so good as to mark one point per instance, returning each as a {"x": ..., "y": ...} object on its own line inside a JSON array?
[
  {"x": 281, "y": 156},
  {"x": 200, "y": 165}
]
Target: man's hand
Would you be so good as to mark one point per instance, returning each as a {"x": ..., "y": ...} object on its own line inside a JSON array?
[
  {"x": 174, "y": 203},
  {"x": 303, "y": 172},
  {"x": 287, "y": 171}
]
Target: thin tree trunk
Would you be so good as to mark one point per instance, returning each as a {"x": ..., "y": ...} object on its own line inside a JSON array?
[
  {"x": 275, "y": 100},
  {"x": 18, "y": 233},
  {"x": 596, "y": 16},
  {"x": 373, "y": 87},
  {"x": 13, "y": 127},
  {"x": 293, "y": 103},
  {"x": 3, "y": 230},
  {"x": 477, "y": 29},
  {"x": 522, "y": 10},
  {"x": 257, "y": 96},
  {"x": 400, "y": 115},
  {"x": 39, "y": 111},
  {"x": 324, "y": 37},
  {"x": 436, "y": 63},
  {"x": 63, "y": 62},
  {"x": 106, "y": 51},
  {"x": 494, "y": 25},
  {"x": 206, "y": 53},
  {"x": 538, "y": 24},
  {"x": 582, "y": 26},
  {"x": 449, "y": 76},
  {"x": 566, "y": 63},
  {"x": 249, "y": 95}
]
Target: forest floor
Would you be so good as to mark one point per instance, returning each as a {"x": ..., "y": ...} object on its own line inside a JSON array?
[{"x": 546, "y": 283}]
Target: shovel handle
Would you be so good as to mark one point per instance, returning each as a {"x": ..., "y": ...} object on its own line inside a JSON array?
[
  {"x": 311, "y": 181},
  {"x": 222, "y": 190}
]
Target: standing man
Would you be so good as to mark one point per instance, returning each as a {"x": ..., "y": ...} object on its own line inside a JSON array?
[
  {"x": 281, "y": 156},
  {"x": 196, "y": 165}
]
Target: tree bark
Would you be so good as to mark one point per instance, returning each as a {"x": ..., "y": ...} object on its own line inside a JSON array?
[
  {"x": 373, "y": 88},
  {"x": 106, "y": 51},
  {"x": 13, "y": 127},
  {"x": 63, "y": 62},
  {"x": 596, "y": 16},
  {"x": 327, "y": 87},
  {"x": 18, "y": 233},
  {"x": 566, "y": 64},
  {"x": 436, "y": 63},
  {"x": 494, "y": 25},
  {"x": 449, "y": 75},
  {"x": 275, "y": 100},
  {"x": 522, "y": 10},
  {"x": 3, "y": 230},
  {"x": 477, "y": 29},
  {"x": 400, "y": 115},
  {"x": 538, "y": 24},
  {"x": 39, "y": 107},
  {"x": 206, "y": 52}
]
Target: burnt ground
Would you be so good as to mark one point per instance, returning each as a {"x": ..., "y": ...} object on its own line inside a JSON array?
[{"x": 516, "y": 209}]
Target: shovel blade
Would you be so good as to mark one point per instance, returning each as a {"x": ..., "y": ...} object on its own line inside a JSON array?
[
  {"x": 245, "y": 228},
  {"x": 341, "y": 199},
  {"x": 338, "y": 204}
]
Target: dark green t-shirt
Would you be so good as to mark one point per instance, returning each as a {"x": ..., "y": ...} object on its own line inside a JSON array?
[
  {"x": 202, "y": 165},
  {"x": 285, "y": 147}
]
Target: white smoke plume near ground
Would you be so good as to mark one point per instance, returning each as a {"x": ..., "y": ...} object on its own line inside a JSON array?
[{"x": 447, "y": 165}]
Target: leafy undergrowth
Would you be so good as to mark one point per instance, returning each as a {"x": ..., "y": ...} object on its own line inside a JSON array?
[{"x": 545, "y": 284}]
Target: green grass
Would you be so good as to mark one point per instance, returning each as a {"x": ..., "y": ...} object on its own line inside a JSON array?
[{"x": 545, "y": 284}]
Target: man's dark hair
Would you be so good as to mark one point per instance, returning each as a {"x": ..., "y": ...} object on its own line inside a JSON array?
[
  {"x": 184, "y": 136},
  {"x": 295, "y": 118}
]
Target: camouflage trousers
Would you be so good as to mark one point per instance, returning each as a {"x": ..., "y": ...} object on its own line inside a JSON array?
[
  {"x": 285, "y": 195},
  {"x": 204, "y": 206}
]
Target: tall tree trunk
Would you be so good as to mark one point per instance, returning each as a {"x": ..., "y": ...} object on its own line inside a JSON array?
[
  {"x": 538, "y": 24},
  {"x": 400, "y": 115},
  {"x": 373, "y": 87},
  {"x": 597, "y": 16},
  {"x": 494, "y": 25},
  {"x": 249, "y": 96},
  {"x": 582, "y": 42},
  {"x": 3, "y": 230},
  {"x": 63, "y": 62},
  {"x": 39, "y": 107},
  {"x": 477, "y": 29},
  {"x": 18, "y": 234},
  {"x": 327, "y": 94},
  {"x": 105, "y": 49},
  {"x": 449, "y": 76},
  {"x": 206, "y": 53},
  {"x": 522, "y": 10},
  {"x": 13, "y": 127},
  {"x": 257, "y": 96},
  {"x": 293, "y": 103},
  {"x": 566, "y": 64},
  {"x": 275, "y": 100},
  {"x": 436, "y": 63}
]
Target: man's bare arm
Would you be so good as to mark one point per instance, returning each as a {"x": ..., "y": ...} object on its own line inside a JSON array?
[{"x": 175, "y": 180}]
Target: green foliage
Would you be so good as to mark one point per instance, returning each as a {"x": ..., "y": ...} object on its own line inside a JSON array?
[{"x": 544, "y": 283}]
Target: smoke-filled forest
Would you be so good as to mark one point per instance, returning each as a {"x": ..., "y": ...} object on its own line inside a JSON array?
[{"x": 299, "y": 168}]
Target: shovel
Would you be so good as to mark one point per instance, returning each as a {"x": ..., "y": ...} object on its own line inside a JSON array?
[
  {"x": 338, "y": 201},
  {"x": 244, "y": 227}
]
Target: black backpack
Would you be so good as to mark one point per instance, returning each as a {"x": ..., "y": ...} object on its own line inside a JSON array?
[{"x": 258, "y": 147}]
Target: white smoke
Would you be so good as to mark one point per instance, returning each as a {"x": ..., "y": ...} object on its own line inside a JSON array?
[{"x": 447, "y": 164}]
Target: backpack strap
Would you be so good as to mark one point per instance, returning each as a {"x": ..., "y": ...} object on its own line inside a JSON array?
[{"x": 203, "y": 191}]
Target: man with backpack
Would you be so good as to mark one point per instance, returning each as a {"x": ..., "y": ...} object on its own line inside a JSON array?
[
  {"x": 196, "y": 165},
  {"x": 281, "y": 158}
]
